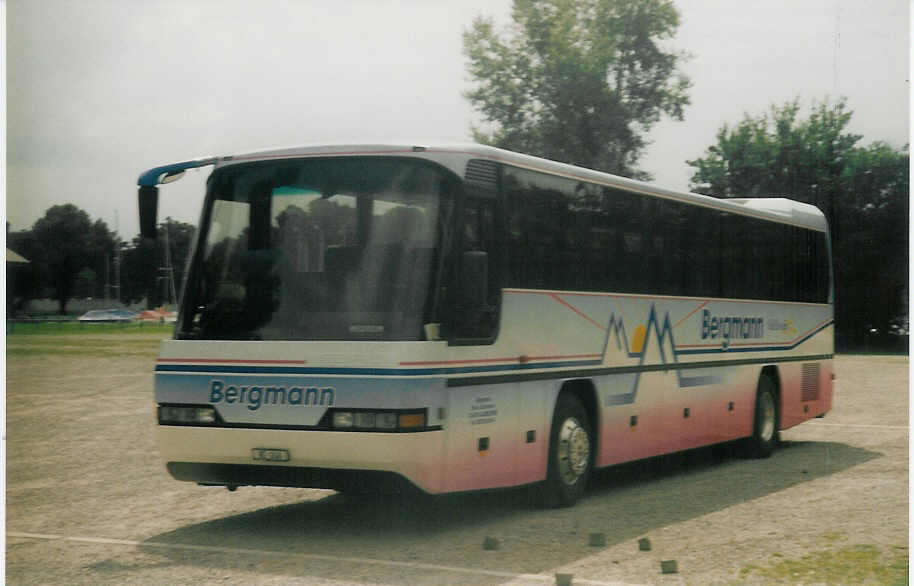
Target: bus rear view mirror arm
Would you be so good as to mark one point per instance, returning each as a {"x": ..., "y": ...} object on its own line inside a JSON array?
[
  {"x": 148, "y": 196},
  {"x": 149, "y": 203}
]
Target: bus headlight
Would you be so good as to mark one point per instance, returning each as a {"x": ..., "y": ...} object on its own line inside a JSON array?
[
  {"x": 365, "y": 419},
  {"x": 186, "y": 415},
  {"x": 387, "y": 420},
  {"x": 342, "y": 419}
]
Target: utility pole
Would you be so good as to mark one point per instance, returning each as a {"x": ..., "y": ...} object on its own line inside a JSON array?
[
  {"x": 169, "y": 270},
  {"x": 117, "y": 270},
  {"x": 117, "y": 260}
]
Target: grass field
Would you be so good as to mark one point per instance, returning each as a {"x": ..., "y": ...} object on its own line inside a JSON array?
[
  {"x": 53, "y": 328},
  {"x": 106, "y": 340}
]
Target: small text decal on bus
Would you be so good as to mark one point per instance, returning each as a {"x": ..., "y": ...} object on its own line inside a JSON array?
[
  {"x": 725, "y": 328},
  {"x": 254, "y": 396}
]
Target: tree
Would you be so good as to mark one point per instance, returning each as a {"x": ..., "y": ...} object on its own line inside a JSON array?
[
  {"x": 863, "y": 192},
  {"x": 67, "y": 255},
  {"x": 86, "y": 283},
  {"x": 778, "y": 154},
  {"x": 63, "y": 235},
  {"x": 102, "y": 242},
  {"x": 871, "y": 257},
  {"x": 578, "y": 81},
  {"x": 144, "y": 261},
  {"x": 139, "y": 268}
]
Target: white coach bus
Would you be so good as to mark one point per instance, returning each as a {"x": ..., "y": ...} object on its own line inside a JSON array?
[{"x": 465, "y": 318}]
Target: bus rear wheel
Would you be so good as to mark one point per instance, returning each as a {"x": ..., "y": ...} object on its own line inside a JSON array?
[
  {"x": 765, "y": 426},
  {"x": 570, "y": 454}
]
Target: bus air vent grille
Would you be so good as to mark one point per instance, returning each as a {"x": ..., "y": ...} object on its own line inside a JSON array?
[
  {"x": 810, "y": 381},
  {"x": 483, "y": 176}
]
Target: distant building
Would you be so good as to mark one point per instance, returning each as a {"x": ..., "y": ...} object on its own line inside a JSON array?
[
  {"x": 13, "y": 257},
  {"x": 15, "y": 262}
]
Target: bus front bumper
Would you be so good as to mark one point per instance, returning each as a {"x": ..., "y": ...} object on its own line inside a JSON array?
[{"x": 308, "y": 459}]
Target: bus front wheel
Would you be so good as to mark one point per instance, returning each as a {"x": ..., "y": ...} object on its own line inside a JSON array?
[
  {"x": 570, "y": 454},
  {"x": 765, "y": 426}
]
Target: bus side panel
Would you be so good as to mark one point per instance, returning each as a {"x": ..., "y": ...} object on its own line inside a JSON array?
[
  {"x": 497, "y": 435},
  {"x": 535, "y": 417},
  {"x": 732, "y": 409},
  {"x": 669, "y": 413},
  {"x": 482, "y": 432},
  {"x": 725, "y": 407},
  {"x": 634, "y": 422}
]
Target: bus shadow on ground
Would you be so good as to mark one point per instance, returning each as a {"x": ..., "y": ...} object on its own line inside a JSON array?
[{"x": 624, "y": 503}]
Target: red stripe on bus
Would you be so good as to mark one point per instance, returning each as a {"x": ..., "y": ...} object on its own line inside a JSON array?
[
  {"x": 229, "y": 361},
  {"x": 577, "y": 311}
]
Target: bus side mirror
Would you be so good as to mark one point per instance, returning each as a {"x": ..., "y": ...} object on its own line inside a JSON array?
[
  {"x": 475, "y": 320},
  {"x": 149, "y": 208},
  {"x": 475, "y": 287}
]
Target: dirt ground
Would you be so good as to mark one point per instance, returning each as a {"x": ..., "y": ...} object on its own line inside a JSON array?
[{"x": 89, "y": 501}]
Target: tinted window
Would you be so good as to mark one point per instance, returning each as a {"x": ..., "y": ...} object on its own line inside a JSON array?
[{"x": 571, "y": 235}]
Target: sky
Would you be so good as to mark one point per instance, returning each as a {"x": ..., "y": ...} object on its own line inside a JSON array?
[{"x": 99, "y": 91}]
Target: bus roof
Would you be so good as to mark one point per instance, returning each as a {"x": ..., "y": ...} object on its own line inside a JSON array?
[{"x": 454, "y": 156}]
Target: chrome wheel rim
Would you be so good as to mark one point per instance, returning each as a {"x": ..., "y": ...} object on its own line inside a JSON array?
[
  {"x": 767, "y": 412},
  {"x": 574, "y": 451}
]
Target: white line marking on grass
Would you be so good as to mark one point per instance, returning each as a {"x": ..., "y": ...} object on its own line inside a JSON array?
[
  {"x": 308, "y": 556},
  {"x": 904, "y": 427}
]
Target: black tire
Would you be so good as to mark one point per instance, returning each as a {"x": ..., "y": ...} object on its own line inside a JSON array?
[
  {"x": 570, "y": 454},
  {"x": 765, "y": 421}
]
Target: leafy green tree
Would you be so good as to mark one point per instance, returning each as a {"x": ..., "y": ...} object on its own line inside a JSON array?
[
  {"x": 86, "y": 283},
  {"x": 61, "y": 246},
  {"x": 102, "y": 242},
  {"x": 178, "y": 236},
  {"x": 63, "y": 237},
  {"x": 578, "y": 81},
  {"x": 139, "y": 268},
  {"x": 863, "y": 192},
  {"x": 779, "y": 154},
  {"x": 871, "y": 256}
]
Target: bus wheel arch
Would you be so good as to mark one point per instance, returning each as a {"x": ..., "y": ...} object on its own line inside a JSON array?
[
  {"x": 586, "y": 393},
  {"x": 766, "y": 414},
  {"x": 572, "y": 445}
]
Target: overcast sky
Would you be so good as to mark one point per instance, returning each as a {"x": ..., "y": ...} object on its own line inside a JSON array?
[{"x": 98, "y": 92}]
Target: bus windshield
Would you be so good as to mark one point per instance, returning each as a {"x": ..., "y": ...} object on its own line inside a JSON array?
[{"x": 317, "y": 249}]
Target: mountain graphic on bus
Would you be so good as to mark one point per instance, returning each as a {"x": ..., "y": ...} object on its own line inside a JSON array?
[{"x": 652, "y": 333}]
